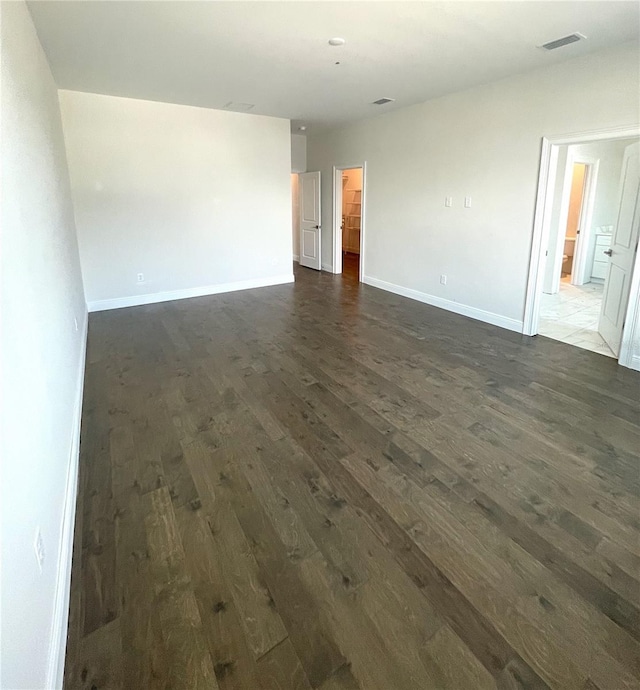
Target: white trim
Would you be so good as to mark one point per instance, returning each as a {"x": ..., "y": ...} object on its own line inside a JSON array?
[
  {"x": 448, "y": 305},
  {"x": 635, "y": 362},
  {"x": 336, "y": 214},
  {"x": 623, "y": 132},
  {"x": 541, "y": 223},
  {"x": 363, "y": 222},
  {"x": 60, "y": 622},
  {"x": 296, "y": 257},
  {"x": 336, "y": 229},
  {"x": 152, "y": 298},
  {"x": 563, "y": 219},
  {"x": 546, "y": 180},
  {"x": 327, "y": 267}
]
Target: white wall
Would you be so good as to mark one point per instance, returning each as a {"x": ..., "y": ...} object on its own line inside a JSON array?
[
  {"x": 607, "y": 198},
  {"x": 298, "y": 153},
  {"x": 483, "y": 143},
  {"x": 42, "y": 361},
  {"x": 197, "y": 200}
]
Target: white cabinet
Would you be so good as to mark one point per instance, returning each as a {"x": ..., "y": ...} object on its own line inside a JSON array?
[{"x": 600, "y": 259}]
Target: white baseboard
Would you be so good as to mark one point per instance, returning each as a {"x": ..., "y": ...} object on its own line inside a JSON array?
[
  {"x": 296, "y": 257},
  {"x": 327, "y": 267},
  {"x": 635, "y": 362},
  {"x": 449, "y": 305},
  {"x": 154, "y": 297},
  {"x": 58, "y": 644}
]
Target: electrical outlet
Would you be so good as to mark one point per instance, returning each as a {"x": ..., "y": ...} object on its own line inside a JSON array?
[
  {"x": 443, "y": 280},
  {"x": 38, "y": 546},
  {"x": 467, "y": 202},
  {"x": 141, "y": 277},
  {"x": 448, "y": 201}
]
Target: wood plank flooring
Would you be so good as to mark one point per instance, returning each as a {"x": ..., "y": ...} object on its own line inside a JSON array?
[{"x": 323, "y": 485}]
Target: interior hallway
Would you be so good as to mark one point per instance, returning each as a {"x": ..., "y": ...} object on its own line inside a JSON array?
[
  {"x": 571, "y": 315},
  {"x": 308, "y": 486}
]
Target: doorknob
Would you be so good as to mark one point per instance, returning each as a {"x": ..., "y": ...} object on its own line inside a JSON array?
[
  {"x": 608, "y": 252},
  {"x": 316, "y": 227}
]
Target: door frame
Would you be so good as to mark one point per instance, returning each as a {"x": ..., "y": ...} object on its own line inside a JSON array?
[
  {"x": 541, "y": 227},
  {"x": 337, "y": 216}
]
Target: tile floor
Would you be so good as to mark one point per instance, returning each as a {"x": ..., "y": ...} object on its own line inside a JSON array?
[{"x": 571, "y": 316}]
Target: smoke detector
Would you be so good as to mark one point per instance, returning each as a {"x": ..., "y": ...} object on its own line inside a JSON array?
[{"x": 564, "y": 41}]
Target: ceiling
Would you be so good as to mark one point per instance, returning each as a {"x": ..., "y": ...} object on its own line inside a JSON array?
[{"x": 276, "y": 56}]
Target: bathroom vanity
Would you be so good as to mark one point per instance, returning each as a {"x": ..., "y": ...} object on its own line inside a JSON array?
[{"x": 600, "y": 259}]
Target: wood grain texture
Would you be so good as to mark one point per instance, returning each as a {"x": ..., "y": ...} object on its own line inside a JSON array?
[{"x": 322, "y": 485}]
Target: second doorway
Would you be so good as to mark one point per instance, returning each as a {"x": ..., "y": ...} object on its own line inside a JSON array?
[{"x": 349, "y": 197}]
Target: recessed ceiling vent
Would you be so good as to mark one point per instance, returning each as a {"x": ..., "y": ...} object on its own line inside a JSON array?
[
  {"x": 239, "y": 107},
  {"x": 382, "y": 101},
  {"x": 564, "y": 41}
]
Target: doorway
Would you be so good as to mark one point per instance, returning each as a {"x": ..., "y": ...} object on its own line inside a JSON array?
[
  {"x": 349, "y": 220},
  {"x": 582, "y": 288},
  {"x": 568, "y": 251}
]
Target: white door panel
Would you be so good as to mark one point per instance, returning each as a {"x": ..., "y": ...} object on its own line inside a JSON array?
[
  {"x": 622, "y": 251},
  {"x": 627, "y": 211},
  {"x": 612, "y": 308},
  {"x": 309, "y": 186},
  {"x": 309, "y": 244}
]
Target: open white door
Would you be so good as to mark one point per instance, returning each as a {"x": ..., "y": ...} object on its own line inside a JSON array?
[
  {"x": 309, "y": 186},
  {"x": 622, "y": 252}
]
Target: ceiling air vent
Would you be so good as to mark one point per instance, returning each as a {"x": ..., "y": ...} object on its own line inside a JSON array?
[
  {"x": 239, "y": 107},
  {"x": 564, "y": 41},
  {"x": 382, "y": 101}
]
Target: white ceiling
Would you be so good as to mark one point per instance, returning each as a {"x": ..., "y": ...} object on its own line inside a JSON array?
[{"x": 275, "y": 55}]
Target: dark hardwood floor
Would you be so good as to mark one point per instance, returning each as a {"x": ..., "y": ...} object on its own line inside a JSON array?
[
  {"x": 323, "y": 485},
  {"x": 350, "y": 266}
]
